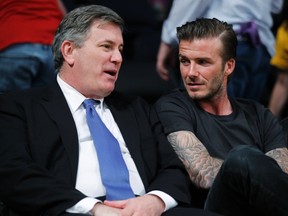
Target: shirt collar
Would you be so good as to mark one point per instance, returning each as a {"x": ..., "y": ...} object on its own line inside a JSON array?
[{"x": 73, "y": 97}]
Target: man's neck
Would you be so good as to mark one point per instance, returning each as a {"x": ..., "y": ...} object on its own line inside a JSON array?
[{"x": 217, "y": 106}]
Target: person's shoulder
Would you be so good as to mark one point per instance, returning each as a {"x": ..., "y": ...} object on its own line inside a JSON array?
[
  {"x": 246, "y": 101},
  {"x": 173, "y": 95},
  {"x": 174, "y": 99},
  {"x": 16, "y": 100},
  {"x": 26, "y": 94},
  {"x": 247, "y": 105},
  {"x": 120, "y": 99}
]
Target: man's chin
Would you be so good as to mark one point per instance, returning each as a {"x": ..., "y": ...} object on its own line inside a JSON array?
[
  {"x": 195, "y": 95},
  {"x": 108, "y": 91}
]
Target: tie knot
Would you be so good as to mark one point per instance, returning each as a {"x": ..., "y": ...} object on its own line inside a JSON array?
[{"x": 90, "y": 102}]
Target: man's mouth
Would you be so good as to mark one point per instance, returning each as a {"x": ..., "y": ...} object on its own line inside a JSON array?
[
  {"x": 194, "y": 84},
  {"x": 111, "y": 72}
]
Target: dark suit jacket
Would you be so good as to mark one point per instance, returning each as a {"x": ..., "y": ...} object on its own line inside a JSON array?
[{"x": 39, "y": 151}]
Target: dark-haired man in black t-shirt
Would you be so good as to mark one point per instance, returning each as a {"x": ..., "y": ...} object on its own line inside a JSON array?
[{"x": 233, "y": 147}]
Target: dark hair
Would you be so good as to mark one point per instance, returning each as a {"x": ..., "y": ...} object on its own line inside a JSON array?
[
  {"x": 211, "y": 28},
  {"x": 76, "y": 25}
]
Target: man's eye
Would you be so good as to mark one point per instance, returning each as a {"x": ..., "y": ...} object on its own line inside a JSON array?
[
  {"x": 106, "y": 46},
  {"x": 202, "y": 62},
  {"x": 184, "y": 61}
]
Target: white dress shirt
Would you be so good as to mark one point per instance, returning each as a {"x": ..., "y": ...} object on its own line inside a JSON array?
[{"x": 88, "y": 174}]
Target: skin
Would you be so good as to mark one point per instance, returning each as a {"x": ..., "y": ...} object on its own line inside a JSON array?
[
  {"x": 205, "y": 77},
  {"x": 145, "y": 206},
  {"x": 165, "y": 59},
  {"x": 279, "y": 94},
  {"x": 202, "y": 168},
  {"x": 281, "y": 156},
  {"x": 93, "y": 70},
  {"x": 62, "y": 7}
]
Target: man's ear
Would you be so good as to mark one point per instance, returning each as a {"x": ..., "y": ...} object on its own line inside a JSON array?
[
  {"x": 229, "y": 66},
  {"x": 67, "y": 49}
]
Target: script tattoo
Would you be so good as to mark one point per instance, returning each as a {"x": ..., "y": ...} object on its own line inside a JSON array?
[
  {"x": 202, "y": 168},
  {"x": 281, "y": 156}
]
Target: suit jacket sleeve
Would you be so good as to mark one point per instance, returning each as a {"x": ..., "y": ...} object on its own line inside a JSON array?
[{"x": 34, "y": 164}]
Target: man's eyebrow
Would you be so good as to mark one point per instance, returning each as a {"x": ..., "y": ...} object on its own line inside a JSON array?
[
  {"x": 108, "y": 41},
  {"x": 112, "y": 42}
]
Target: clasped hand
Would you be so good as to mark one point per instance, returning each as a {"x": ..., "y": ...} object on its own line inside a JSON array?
[{"x": 147, "y": 205}]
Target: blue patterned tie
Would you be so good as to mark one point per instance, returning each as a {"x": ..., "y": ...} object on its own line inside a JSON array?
[{"x": 114, "y": 173}]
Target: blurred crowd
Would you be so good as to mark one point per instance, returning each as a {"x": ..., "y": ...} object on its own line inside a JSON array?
[{"x": 26, "y": 59}]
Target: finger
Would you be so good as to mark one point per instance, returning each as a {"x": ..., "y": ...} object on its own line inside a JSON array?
[
  {"x": 115, "y": 204},
  {"x": 164, "y": 76},
  {"x": 163, "y": 73}
]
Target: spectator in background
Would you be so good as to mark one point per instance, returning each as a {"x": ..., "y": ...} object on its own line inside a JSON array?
[
  {"x": 279, "y": 64},
  {"x": 252, "y": 20},
  {"x": 27, "y": 31}
]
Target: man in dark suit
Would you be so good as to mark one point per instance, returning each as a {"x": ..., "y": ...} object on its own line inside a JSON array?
[{"x": 48, "y": 162}]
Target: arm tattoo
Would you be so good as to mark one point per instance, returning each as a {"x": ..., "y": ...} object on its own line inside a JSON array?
[
  {"x": 202, "y": 168},
  {"x": 281, "y": 156}
]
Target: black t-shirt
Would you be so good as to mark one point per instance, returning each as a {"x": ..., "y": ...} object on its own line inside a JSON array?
[{"x": 250, "y": 123}]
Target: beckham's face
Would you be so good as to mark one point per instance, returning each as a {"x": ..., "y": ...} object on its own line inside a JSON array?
[{"x": 202, "y": 68}]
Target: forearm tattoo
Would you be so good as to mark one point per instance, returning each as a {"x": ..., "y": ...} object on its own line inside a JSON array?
[
  {"x": 281, "y": 156},
  {"x": 202, "y": 168}
]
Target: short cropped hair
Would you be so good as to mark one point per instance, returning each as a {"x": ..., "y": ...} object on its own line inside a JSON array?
[
  {"x": 203, "y": 28},
  {"x": 76, "y": 25}
]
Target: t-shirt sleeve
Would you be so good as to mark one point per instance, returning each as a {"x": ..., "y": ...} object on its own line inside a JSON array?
[
  {"x": 174, "y": 114},
  {"x": 269, "y": 128},
  {"x": 272, "y": 132}
]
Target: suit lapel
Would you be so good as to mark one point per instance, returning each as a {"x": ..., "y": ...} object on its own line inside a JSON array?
[
  {"x": 126, "y": 121},
  {"x": 57, "y": 107}
]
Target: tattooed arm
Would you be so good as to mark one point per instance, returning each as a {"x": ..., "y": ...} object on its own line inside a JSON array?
[
  {"x": 281, "y": 156},
  {"x": 202, "y": 168}
]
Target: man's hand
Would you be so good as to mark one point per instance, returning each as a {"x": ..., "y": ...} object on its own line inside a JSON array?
[
  {"x": 165, "y": 59},
  {"x": 147, "y": 205},
  {"x": 100, "y": 209}
]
